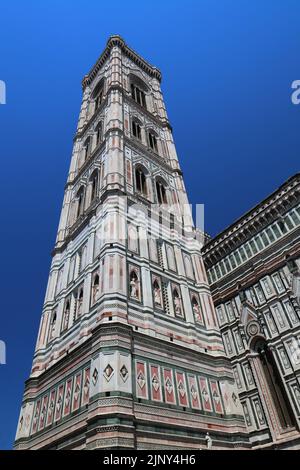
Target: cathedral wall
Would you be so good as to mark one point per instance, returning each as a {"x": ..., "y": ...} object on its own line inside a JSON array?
[{"x": 257, "y": 302}]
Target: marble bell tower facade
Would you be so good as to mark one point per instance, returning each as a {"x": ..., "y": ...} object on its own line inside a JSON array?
[{"x": 129, "y": 352}]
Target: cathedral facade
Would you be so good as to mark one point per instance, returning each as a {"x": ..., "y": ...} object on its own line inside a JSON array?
[
  {"x": 254, "y": 272},
  {"x": 130, "y": 353}
]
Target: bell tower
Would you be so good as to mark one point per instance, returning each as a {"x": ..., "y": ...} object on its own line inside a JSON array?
[{"x": 129, "y": 354}]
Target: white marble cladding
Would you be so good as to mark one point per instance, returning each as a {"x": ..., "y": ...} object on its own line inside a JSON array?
[
  {"x": 25, "y": 420},
  {"x": 111, "y": 372}
]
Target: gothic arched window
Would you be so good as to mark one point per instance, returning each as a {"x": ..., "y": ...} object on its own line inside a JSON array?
[
  {"x": 87, "y": 148},
  {"x": 153, "y": 249},
  {"x": 136, "y": 129},
  {"x": 140, "y": 181},
  {"x": 152, "y": 140},
  {"x": 95, "y": 288},
  {"x": 171, "y": 258},
  {"x": 66, "y": 316},
  {"x": 98, "y": 99},
  {"x": 80, "y": 201},
  {"x": 94, "y": 181},
  {"x": 138, "y": 95},
  {"x": 161, "y": 192},
  {"x": 99, "y": 133},
  {"x": 138, "y": 90},
  {"x": 79, "y": 302},
  {"x": 52, "y": 325},
  {"x": 98, "y": 94}
]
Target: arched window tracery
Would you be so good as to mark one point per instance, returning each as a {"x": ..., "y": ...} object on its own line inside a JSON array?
[
  {"x": 98, "y": 94},
  {"x": 66, "y": 316},
  {"x": 152, "y": 140},
  {"x": 138, "y": 90},
  {"x": 94, "y": 182},
  {"x": 136, "y": 129},
  {"x": 95, "y": 288},
  {"x": 99, "y": 133},
  {"x": 141, "y": 181},
  {"x": 80, "y": 201},
  {"x": 52, "y": 325},
  {"x": 161, "y": 192},
  {"x": 87, "y": 147}
]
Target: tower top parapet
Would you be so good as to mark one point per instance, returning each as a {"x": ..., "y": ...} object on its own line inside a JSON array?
[{"x": 116, "y": 40}]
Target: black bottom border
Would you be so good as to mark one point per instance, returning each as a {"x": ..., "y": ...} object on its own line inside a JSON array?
[{"x": 134, "y": 459}]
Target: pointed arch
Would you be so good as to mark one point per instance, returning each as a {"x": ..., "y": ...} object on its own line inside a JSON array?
[
  {"x": 132, "y": 238},
  {"x": 161, "y": 190},
  {"x": 66, "y": 315},
  {"x": 52, "y": 326},
  {"x": 248, "y": 313},
  {"x": 157, "y": 292},
  {"x": 171, "y": 257},
  {"x": 152, "y": 138},
  {"x": 136, "y": 127},
  {"x": 198, "y": 316},
  {"x": 98, "y": 94},
  {"x": 87, "y": 148},
  {"x": 138, "y": 89},
  {"x": 141, "y": 174},
  {"x": 79, "y": 302},
  {"x": 153, "y": 250},
  {"x": 188, "y": 266},
  {"x": 99, "y": 133},
  {"x": 94, "y": 185},
  {"x": 80, "y": 201},
  {"x": 95, "y": 287}
]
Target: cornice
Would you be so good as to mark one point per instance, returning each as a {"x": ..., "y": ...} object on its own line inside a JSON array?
[
  {"x": 124, "y": 331},
  {"x": 141, "y": 148},
  {"x": 248, "y": 273},
  {"x": 80, "y": 350},
  {"x": 96, "y": 152},
  {"x": 254, "y": 220},
  {"x": 147, "y": 152},
  {"x": 77, "y": 227},
  {"x": 80, "y": 133},
  {"x": 113, "y": 41},
  {"x": 157, "y": 120}
]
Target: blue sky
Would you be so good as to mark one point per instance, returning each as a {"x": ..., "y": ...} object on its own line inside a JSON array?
[{"x": 227, "y": 71}]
